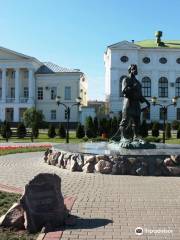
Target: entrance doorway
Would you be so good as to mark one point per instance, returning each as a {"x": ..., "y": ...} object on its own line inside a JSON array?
[{"x": 9, "y": 114}]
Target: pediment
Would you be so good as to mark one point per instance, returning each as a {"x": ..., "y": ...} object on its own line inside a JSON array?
[
  {"x": 124, "y": 45},
  {"x": 7, "y": 54}
]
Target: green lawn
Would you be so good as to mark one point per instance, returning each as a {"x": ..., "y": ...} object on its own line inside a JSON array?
[
  {"x": 43, "y": 137},
  {"x": 6, "y": 201}
]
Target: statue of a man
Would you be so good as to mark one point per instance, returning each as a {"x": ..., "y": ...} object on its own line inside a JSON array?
[{"x": 131, "y": 111}]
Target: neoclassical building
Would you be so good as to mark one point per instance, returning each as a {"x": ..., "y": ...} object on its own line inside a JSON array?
[
  {"x": 26, "y": 82},
  {"x": 158, "y": 71}
]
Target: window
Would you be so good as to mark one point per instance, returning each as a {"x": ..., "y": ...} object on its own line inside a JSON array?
[
  {"x": 178, "y": 87},
  {"x": 0, "y": 74},
  {"x": 161, "y": 114},
  {"x": 13, "y": 74},
  {"x": 67, "y": 95},
  {"x": 178, "y": 60},
  {"x": 178, "y": 113},
  {"x": 163, "y": 87},
  {"x": 0, "y": 93},
  {"x": 124, "y": 59},
  {"x": 12, "y": 92},
  {"x": 120, "y": 85},
  {"x": 146, "y": 87},
  {"x": 53, "y": 93},
  {"x": 163, "y": 60},
  {"x": 26, "y": 92},
  {"x": 40, "y": 93},
  {"x": 146, "y": 60},
  {"x": 53, "y": 114}
]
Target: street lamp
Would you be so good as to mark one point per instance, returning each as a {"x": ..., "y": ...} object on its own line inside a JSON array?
[
  {"x": 67, "y": 113},
  {"x": 164, "y": 109}
]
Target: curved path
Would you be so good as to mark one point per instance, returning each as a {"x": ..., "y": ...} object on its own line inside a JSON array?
[{"x": 109, "y": 207}]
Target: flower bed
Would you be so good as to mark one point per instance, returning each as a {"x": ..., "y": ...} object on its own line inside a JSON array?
[{"x": 4, "y": 150}]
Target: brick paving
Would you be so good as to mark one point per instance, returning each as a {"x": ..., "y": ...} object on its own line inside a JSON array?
[{"x": 107, "y": 206}]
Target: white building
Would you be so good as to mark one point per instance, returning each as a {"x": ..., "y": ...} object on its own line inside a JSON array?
[
  {"x": 158, "y": 71},
  {"x": 27, "y": 82}
]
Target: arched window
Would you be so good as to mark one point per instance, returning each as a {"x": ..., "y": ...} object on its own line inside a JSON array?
[
  {"x": 146, "y": 87},
  {"x": 178, "y": 87},
  {"x": 163, "y": 87},
  {"x": 120, "y": 85}
]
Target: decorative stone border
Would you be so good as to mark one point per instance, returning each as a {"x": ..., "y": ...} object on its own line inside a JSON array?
[{"x": 116, "y": 164}]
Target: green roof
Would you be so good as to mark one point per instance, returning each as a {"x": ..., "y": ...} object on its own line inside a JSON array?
[{"x": 153, "y": 44}]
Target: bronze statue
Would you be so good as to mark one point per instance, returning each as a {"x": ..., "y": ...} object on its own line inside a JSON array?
[{"x": 131, "y": 111}]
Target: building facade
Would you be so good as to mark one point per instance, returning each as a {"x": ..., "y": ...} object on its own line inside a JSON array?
[
  {"x": 158, "y": 72},
  {"x": 26, "y": 82}
]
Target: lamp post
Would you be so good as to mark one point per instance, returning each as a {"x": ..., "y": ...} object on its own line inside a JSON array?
[
  {"x": 67, "y": 113},
  {"x": 164, "y": 109}
]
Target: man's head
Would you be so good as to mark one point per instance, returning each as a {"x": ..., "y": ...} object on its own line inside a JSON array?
[{"x": 132, "y": 69}]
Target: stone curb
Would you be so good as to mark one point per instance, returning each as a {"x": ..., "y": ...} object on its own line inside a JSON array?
[{"x": 68, "y": 201}]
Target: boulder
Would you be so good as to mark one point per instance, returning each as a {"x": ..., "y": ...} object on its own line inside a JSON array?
[
  {"x": 73, "y": 163},
  {"x": 89, "y": 167},
  {"x": 169, "y": 162},
  {"x": 121, "y": 167},
  {"x": 60, "y": 162},
  {"x": 102, "y": 157},
  {"x": 43, "y": 203},
  {"x": 176, "y": 159},
  {"x": 103, "y": 167},
  {"x": 14, "y": 217},
  {"x": 89, "y": 158},
  {"x": 174, "y": 171}
]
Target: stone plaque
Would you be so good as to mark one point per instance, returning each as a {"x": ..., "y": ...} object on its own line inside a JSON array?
[{"x": 43, "y": 203}]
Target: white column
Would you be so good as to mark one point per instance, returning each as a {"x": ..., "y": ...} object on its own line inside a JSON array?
[
  {"x": 2, "y": 113},
  {"x": 17, "y": 86},
  {"x": 16, "y": 115},
  {"x": 31, "y": 86},
  {"x": 4, "y": 85}
]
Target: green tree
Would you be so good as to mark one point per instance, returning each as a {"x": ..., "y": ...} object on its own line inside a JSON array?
[
  {"x": 35, "y": 131},
  {"x": 51, "y": 131},
  {"x": 21, "y": 130},
  {"x": 155, "y": 129},
  {"x": 80, "y": 133},
  {"x": 90, "y": 130},
  {"x": 144, "y": 129},
  {"x": 168, "y": 131},
  {"x": 178, "y": 133},
  {"x": 62, "y": 131},
  {"x": 33, "y": 117},
  {"x": 6, "y": 130},
  {"x": 96, "y": 126}
]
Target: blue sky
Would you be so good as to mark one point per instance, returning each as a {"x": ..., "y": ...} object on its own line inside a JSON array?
[{"x": 75, "y": 33}]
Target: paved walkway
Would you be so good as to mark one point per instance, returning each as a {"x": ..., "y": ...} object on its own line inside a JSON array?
[{"x": 108, "y": 207}]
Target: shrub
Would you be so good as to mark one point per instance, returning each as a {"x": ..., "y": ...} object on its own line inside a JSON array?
[
  {"x": 90, "y": 130},
  {"x": 62, "y": 131},
  {"x": 175, "y": 125},
  {"x": 80, "y": 133},
  {"x": 21, "y": 130},
  {"x": 6, "y": 130},
  {"x": 35, "y": 131},
  {"x": 178, "y": 133},
  {"x": 85, "y": 139},
  {"x": 51, "y": 131},
  {"x": 144, "y": 129},
  {"x": 155, "y": 129},
  {"x": 96, "y": 126},
  {"x": 168, "y": 131}
]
